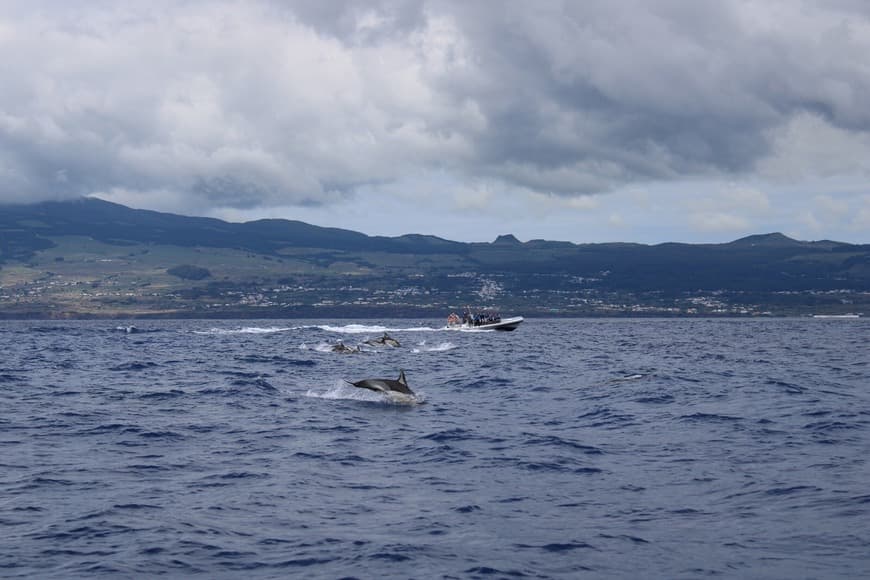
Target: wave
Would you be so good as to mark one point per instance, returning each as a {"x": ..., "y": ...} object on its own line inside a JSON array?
[
  {"x": 133, "y": 366},
  {"x": 457, "y": 434},
  {"x": 277, "y": 359},
  {"x": 162, "y": 395},
  {"x": 242, "y": 387},
  {"x": 47, "y": 329},
  {"x": 710, "y": 418},
  {"x": 258, "y": 383},
  {"x": 555, "y": 441},
  {"x": 559, "y": 546}
]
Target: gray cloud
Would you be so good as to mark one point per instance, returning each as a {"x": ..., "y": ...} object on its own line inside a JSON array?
[
  {"x": 363, "y": 22},
  {"x": 303, "y": 103},
  {"x": 660, "y": 89}
]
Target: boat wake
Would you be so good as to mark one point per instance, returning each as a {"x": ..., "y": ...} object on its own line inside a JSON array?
[
  {"x": 373, "y": 329},
  {"x": 248, "y": 330},
  {"x": 466, "y": 329}
]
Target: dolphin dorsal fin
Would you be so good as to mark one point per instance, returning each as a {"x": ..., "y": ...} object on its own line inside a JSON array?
[{"x": 402, "y": 378}]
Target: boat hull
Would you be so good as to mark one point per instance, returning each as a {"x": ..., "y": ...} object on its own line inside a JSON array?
[{"x": 504, "y": 325}]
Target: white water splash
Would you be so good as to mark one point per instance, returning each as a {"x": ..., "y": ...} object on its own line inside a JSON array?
[
  {"x": 625, "y": 378},
  {"x": 342, "y": 391},
  {"x": 440, "y": 347},
  {"x": 329, "y": 346}
]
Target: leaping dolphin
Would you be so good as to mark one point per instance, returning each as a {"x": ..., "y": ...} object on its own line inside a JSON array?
[{"x": 385, "y": 385}]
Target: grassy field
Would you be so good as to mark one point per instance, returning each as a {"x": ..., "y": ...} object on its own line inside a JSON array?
[{"x": 81, "y": 276}]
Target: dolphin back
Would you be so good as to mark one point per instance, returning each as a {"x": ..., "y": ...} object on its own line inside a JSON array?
[
  {"x": 401, "y": 385},
  {"x": 386, "y": 385}
]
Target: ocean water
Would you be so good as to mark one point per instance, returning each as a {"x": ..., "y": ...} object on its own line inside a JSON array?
[{"x": 567, "y": 449}]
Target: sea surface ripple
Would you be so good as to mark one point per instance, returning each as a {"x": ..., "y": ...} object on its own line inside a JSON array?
[{"x": 569, "y": 448}]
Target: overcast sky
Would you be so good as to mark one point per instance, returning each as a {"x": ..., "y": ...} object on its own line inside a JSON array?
[{"x": 587, "y": 121}]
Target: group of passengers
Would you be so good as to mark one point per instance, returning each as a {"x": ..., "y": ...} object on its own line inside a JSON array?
[
  {"x": 476, "y": 319},
  {"x": 480, "y": 318}
]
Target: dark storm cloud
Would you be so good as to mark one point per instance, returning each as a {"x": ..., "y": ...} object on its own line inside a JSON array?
[{"x": 262, "y": 104}]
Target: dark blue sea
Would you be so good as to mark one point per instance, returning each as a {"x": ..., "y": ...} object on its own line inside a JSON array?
[{"x": 568, "y": 449}]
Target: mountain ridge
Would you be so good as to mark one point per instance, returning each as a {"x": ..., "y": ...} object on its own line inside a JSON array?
[{"x": 99, "y": 208}]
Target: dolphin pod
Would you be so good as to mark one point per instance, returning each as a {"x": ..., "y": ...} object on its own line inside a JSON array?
[{"x": 399, "y": 385}]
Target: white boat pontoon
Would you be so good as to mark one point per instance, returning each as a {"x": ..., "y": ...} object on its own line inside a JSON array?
[{"x": 482, "y": 322}]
